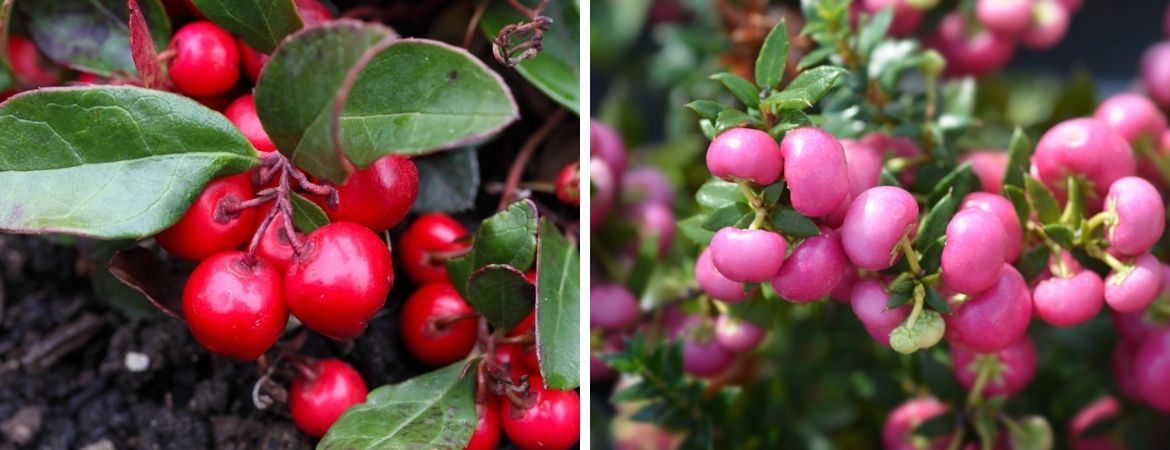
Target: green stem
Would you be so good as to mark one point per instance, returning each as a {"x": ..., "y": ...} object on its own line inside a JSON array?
[
  {"x": 975, "y": 397},
  {"x": 919, "y": 301},
  {"x": 757, "y": 205},
  {"x": 1102, "y": 218},
  {"x": 911, "y": 255},
  {"x": 1074, "y": 209},
  {"x": 1105, "y": 257}
]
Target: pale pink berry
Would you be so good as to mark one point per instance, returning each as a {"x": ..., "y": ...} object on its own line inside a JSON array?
[
  {"x": 1010, "y": 17},
  {"x": 1141, "y": 216},
  {"x": 974, "y": 251},
  {"x": 906, "y": 17},
  {"x": 898, "y": 429},
  {"x": 815, "y": 169},
  {"x": 1132, "y": 116},
  {"x": 1050, "y": 20},
  {"x": 747, "y": 256},
  {"x": 656, "y": 220},
  {"x": 745, "y": 154},
  {"x": 605, "y": 144},
  {"x": 864, "y": 164},
  {"x": 812, "y": 270},
  {"x": 1018, "y": 367},
  {"x": 1155, "y": 73},
  {"x": 989, "y": 166},
  {"x": 877, "y": 220},
  {"x": 1065, "y": 302},
  {"x": 647, "y": 185},
  {"x": 604, "y": 188},
  {"x": 994, "y": 319},
  {"x": 869, "y": 301},
  {"x": 1087, "y": 147},
  {"x": 1151, "y": 367},
  {"x": 715, "y": 284},
  {"x": 737, "y": 335},
  {"x": 612, "y": 307},
  {"x": 1003, "y": 210},
  {"x": 1134, "y": 289}
]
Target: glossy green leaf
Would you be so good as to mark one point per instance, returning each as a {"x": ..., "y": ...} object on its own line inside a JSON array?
[
  {"x": 793, "y": 224},
  {"x": 898, "y": 299},
  {"x": 109, "y": 162},
  {"x": 1019, "y": 159},
  {"x": 692, "y": 228},
  {"x": 307, "y": 216},
  {"x": 1061, "y": 234},
  {"x": 433, "y": 410},
  {"x": 936, "y": 302},
  {"x": 447, "y": 182},
  {"x": 556, "y": 69},
  {"x": 934, "y": 225},
  {"x": 772, "y": 193},
  {"x": 739, "y": 87},
  {"x": 716, "y": 193},
  {"x": 733, "y": 118},
  {"x": 501, "y": 294},
  {"x": 262, "y": 24},
  {"x": 508, "y": 237},
  {"x": 806, "y": 89},
  {"x": 92, "y": 35},
  {"x": 773, "y": 58},
  {"x": 1042, "y": 201},
  {"x": 1019, "y": 202},
  {"x": 958, "y": 183},
  {"x": 726, "y": 216},
  {"x": 706, "y": 109},
  {"x": 873, "y": 31},
  {"x": 558, "y": 312},
  {"x": 459, "y": 270}
]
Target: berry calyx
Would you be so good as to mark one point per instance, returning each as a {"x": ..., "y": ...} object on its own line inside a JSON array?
[
  {"x": 339, "y": 280},
  {"x": 206, "y": 62},
  {"x": 235, "y": 307},
  {"x": 745, "y": 154},
  {"x": 876, "y": 222},
  {"x": 974, "y": 251},
  {"x": 549, "y": 419},
  {"x": 210, "y": 225},
  {"x": 426, "y": 245},
  {"x": 377, "y": 197},
  {"x": 434, "y": 327},
  {"x": 1008, "y": 371},
  {"x": 568, "y": 186},
  {"x": 242, "y": 114},
  {"x": 814, "y": 168},
  {"x": 320, "y": 396},
  {"x": 747, "y": 256},
  {"x": 487, "y": 427}
]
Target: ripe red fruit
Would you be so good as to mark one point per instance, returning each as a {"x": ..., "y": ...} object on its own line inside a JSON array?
[
  {"x": 207, "y": 61},
  {"x": 487, "y": 427},
  {"x": 426, "y": 337},
  {"x": 426, "y": 244},
  {"x": 242, "y": 114},
  {"x": 317, "y": 401},
  {"x": 569, "y": 185},
  {"x": 205, "y": 229},
  {"x": 313, "y": 12},
  {"x": 528, "y": 354},
  {"x": 252, "y": 60},
  {"x": 274, "y": 246},
  {"x": 551, "y": 421},
  {"x": 377, "y": 197},
  {"x": 509, "y": 357},
  {"x": 235, "y": 309},
  {"x": 340, "y": 280},
  {"x": 29, "y": 65}
]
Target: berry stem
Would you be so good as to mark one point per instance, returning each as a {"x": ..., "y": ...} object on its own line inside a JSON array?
[
  {"x": 984, "y": 367},
  {"x": 446, "y": 321},
  {"x": 1105, "y": 257},
  {"x": 524, "y": 339},
  {"x": 1074, "y": 209},
  {"x": 756, "y": 203},
  {"x": 1101, "y": 218},
  {"x": 919, "y": 301},
  {"x": 911, "y": 255},
  {"x": 526, "y": 151}
]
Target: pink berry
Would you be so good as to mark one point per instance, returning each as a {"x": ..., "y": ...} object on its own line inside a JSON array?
[
  {"x": 1124, "y": 376},
  {"x": 656, "y": 220},
  {"x": 989, "y": 166},
  {"x": 968, "y": 52},
  {"x": 1141, "y": 216},
  {"x": 705, "y": 357},
  {"x": 604, "y": 189},
  {"x": 745, "y": 154},
  {"x": 898, "y": 429},
  {"x": 814, "y": 167},
  {"x": 994, "y": 319},
  {"x": 874, "y": 225},
  {"x": 715, "y": 284},
  {"x": 1155, "y": 73},
  {"x": 647, "y": 185},
  {"x": 1050, "y": 21},
  {"x": 747, "y": 256},
  {"x": 812, "y": 270},
  {"x": 1133, "y": 117},
  {"x": 737, "y": 335},
  {"x": 843, "y": 292},
  {"x": 1103, "y": 409},
  {"x": 1087, "y": 147},
  {"x": 1003, "y": 210},
  {"x": 906, "y": 17},
  {"x": 974, "y": 252},
  {"x": 864, "y": 164},
  {"x": 1018, "y": 367},
  {"x": 1151, "y": 368},
  {"x": 869, "y": 305},
  {"x": 1010, "y": 17},
  {"x": 605, "y": 144},
  {"x": 1136, "y": 288},
  {"x": 612, "y": 307},
  {"x": 894, "y": 147},
  {"x": 1065, "y": 302}
]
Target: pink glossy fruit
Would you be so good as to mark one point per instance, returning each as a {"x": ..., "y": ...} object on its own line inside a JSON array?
[
  {"x": 843, "y": 292},
  {"x": 1050, "y": 21},
  {"x": 704, "y": 357},
  {"x": 1018, "y": 366},
  {"x": 1155, "y": 73},
  {"x": 1141, "y": 216},
  {"x": 1134, "y": 289},
  {"x": 814, "y": 167},
  {"x": 1068, "y": 301},
  {"x": 864, "y": 164},
  {"x": 812, "y": 270},
  {"x": 898, "y": 429},
  {"x": 1151, "y": 367},
  {"x": 605, "y": 144},
  {"x": 971, "y": 51},
  {"x": 656, "y": 220},
  {"x": 715, "y": 284},
  {"x": 612, "y": 307},
  {"x": 737, "y": 335},
  {"x": 1087, "y": 147},
  {"x": 1003, "y": 210},
  {"x": 1010, "y": 17},
  {"x": 869, "y": 305},
  {"x": 1132, "y": 116},
  {"x": 989, "y": 166},
  {"x": 646, "y": 185},
  {"x": 745, "y": 154},
  {"x": 994, "y": 319},
  {"x": 875, "y": 223},
  {"x": 747, "y": 256},
  {"x": 603, "y": 190},
  {"x": 974, "y": 252}
]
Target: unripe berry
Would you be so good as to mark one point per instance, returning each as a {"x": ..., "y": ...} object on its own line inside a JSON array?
[
  {"x": 906, "y": 18},
  {"x": 737, "y": 335},
  {"x": 1132, "y": 116},
  {"x": 606, "y": 145},
  {"x": 316, "y": 403},
  {"x": 1010, "y": 17},
  {"x": 647, "y": 185},
  {"x": 747, "y": 256},
  {"x": 1002, "y": 209},
  {"x": 487, "y": 426},
  {"x": 207, "y": 228},
  {"x": 1141, "y": 216},
  {"x": 814, "y": 167},
  {"x": 603, "y": 191},
  {"x": 206, "y": 62},
  {"x": 989, "y": 166},
  {"x": 875, "y": 224},
  {"x": 426, "y": 245},
  {"x": 1133, "y": 290},
  {"x": 869, "y": 305},
  {"x": 551, "y": 421},
  {"x": 812, "y": 270},
  {"x": 745, "y": 154},
  {"x": 235, "y": 308},
  {"x": 379, "y": 196},
  {"x": 1068, "y": 301},
  {"x": 1018, "y": 366},
  {"x": 339, "y": 280},
  {"x": 1151, "y": 366},
  {"x": 994, "y": 319},
  {"x": 612, "y": 307},
  {"x": 428, "y": 327},
  {"x": 242, "y": 114},
  {"x": 715, "y": 284},
  {"x": 1087, "y": 147},
  {"x": 568, "y": 185},
  {"x": 974, "y": 251},
  {"x": 1049, "y": 25},
  {"x": 899, "y": 426},
  {"x": 864, "y": 164}
]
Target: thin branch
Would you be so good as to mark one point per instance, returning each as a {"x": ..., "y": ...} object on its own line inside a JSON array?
[{"x": 526, "y": 152}]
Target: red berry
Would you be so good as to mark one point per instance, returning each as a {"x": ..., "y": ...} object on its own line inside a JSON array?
[
  {"x": 317, "y": 401},
  {"x": 551, "y": 421},
  {"x": 274, "y": 246},
  {"x": 235, "y": 309},
  {"x": 487, "y": 427},
  {"x": 28, "y": 63},
  {"x": 313, "y": 12},
  {"x": 426, "y": 245},
  {"x": 205, "y": 229},
  {"x": 509, "y": 357},
  {"x": 242, "y": 114},
  {"x": 339, "y": 280},
  {"x": 430, "y": 341},
  {"x": 528, "y": 355},
  {"x": 377, "y": 197},
  {"x": 206, "y": 62},
  {"x": 569, "y": 185},
  {"x": 252, "y": 60}
]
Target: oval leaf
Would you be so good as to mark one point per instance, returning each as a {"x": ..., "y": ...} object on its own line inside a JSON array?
[
  {"x": 501, "y": 294},
  {"x": 447, "y": 182},
  {"x": 508, "y": 237},
  {"x": 93, "y": 35},
  {"x": 558, "y": 299},
  {"x": 141, "y": 270},
  {"x": 433, "y": 410},
  {"x": 739, "y": 87},
  {"x": 307, "y": 216},
  {"x": 262, "y": 24},
  {"x": 773, "y": 57},
  {"x": 556, "y": 69},
  {"x": 109, "y": 162}
]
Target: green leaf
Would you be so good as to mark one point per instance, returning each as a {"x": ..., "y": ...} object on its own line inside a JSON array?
[
  {"x": 307, "y": 216},
  {"x": 558, "y": 290},
  {"x": 433, "y": 410},
  {"x": 772, "y": 193},
  {"x": 741, "y": 88},
  {"x": 716, "y": 193},
  {"x": 726, "y": 216},
  {"x": 936, "y": 302},
  {"x": 109, "y": 162},
  {"x": 1033, "y": 262},
  {"x": 793, "y": 224},
  {"x": 1019, "y": 159},
  {"x": 806, "y": 89},
  {"x": 1034, "y": 432},
  {"x": 1019, "y": 202},
  {"x": 459, "y": 270},
  {"x": 887, "y": 178},
  {"x": 898, "y": 299},
  {"x": 934, "y": 225},
  {"x": 262, "y": 24},
  {"x": 447, "y": 182},
  {"x": 706, "y": 109},
  {"x": 734, "y": 118},
  {"x": 501, "y": 294},
  {"x": 645, "y": 263},
  {"x": 91, "y": 35},
  {"x": 873, "y": 31},
  {"x": 1061, "y": 234},
  {"x": 1042, "y": 201},
  {"x": 692, "y": 228},
  {"x": 958, "y": 183},
  {"x": 932, "y": 256},
  {"x": 508, "y": 237},
  {"x": 937, "y": 426},
  {"x": 773, "y": 57},
  {"x": 816, "y": 57},
  {"x": 556, "y": 69}
]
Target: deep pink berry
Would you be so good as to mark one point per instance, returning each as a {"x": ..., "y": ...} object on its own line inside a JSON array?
[
  {"x": 612, "y": 307},
  {"x": 994, "y": 319},
  {"x": 1080, "y": 438},
  {"x": 1018, "y": 366},
  {"x": 715, "y": 284},
  {"x": 702, "y": 354},
  {"x": 603, "y": 190},
  {"x": 605, "y": 144},
  {"x": 1151, "y": 367},
  {"x": 1087, "y": 147},
  {"x": 737, "y": 335},
  {"x": 1134, "y": 289},
  {"x": 1050, "y": 21},
  {"x": 745, "y": 154},
  {"x": 989, "y": 166},
  {"x": 747, "y": 256},
  {"x": 812, "y": 270},
  {"x": 876, "y": 221},
  {"x": 1003, "y": 210},
  {"x": 1068, "y": 301},
  {"x": 974, "y": 252},
  {"x": 843, "y": 292},
  {"x": 869, "y": 305},
  {"x": 898, "y": 429},
  {"x": 1010, "y": 17},
  {"x": 1141, "y": 216},
  {"x": 1132, "y": 116},
  {"x": 814, "y": 167},
  {"x": 864, "y": 164}
]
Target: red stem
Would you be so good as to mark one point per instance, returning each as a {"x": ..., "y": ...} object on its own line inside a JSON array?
[{"x": 526, "y": 152}]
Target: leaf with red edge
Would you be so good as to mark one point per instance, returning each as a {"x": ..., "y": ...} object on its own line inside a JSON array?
[
  {"x": 142, "y": 49},
  {"x": 142, "y": 270}
]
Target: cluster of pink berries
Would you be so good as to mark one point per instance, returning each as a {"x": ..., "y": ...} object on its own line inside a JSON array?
[{"x": 1155, "y": 68}]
